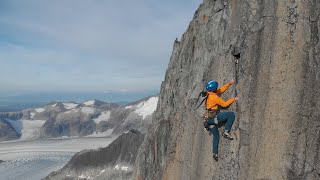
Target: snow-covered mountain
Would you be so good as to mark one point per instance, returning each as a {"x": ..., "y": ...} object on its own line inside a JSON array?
[
  {"x": 139, "y": 115},
  {"x": 88, "y": 118}
]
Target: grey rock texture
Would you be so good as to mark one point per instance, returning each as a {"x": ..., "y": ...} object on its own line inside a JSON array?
[
  {"x": 271, "y": 48},
  {"x": 7, "y": 131},
  {"x": 123, "y": 150},
  {"x": 117, "y": 116},
  {"x": 51, "y": 111},
  {"x": 76, "y": 125},
  {"x": 133, "y": 121},
  {"x": 70, "y": 123}
]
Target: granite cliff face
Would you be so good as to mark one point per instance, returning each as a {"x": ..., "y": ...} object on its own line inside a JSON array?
[{"x": 271, "y": 48}]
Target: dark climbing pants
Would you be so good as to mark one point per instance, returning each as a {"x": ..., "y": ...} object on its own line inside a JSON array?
[{"x": 227, "y": 117}]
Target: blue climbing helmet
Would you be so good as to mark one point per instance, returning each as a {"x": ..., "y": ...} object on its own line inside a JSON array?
[{"x": 211, "y": 86}]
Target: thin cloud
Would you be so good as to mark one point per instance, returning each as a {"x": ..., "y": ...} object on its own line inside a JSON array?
[{"x": 89, "y": 44}]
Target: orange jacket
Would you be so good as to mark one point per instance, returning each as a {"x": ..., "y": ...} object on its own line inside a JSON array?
[{"x": 214, "y": 100}]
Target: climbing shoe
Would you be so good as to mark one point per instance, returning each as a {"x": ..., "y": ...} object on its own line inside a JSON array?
[
  {"x": 215, "y": 157},
  {"x": 227, "y": 135}
]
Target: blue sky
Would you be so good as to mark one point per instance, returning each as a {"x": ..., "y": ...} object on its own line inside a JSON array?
[{"x": 88, "y": 45}]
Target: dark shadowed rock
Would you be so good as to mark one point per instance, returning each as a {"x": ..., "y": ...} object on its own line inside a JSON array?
[
  {"x": 122, "y": 150},
  {"x": 7, "y": 131},
  {"x": 11, "y": 115},
  {"x": 75, "y": 126}
]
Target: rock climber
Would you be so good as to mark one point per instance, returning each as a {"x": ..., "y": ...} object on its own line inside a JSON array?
[{"x": 214, "y": 116}]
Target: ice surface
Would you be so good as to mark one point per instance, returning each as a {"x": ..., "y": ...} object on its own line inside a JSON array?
[
  {"x": 147, "y": 108},
  {"x": 36, "y": 159},
  {"x": 31, "y": 129},
  {"x": 103, "y": 134}
]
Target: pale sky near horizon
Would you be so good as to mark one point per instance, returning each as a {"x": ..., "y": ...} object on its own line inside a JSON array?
[{"x": 89, "y": 45}]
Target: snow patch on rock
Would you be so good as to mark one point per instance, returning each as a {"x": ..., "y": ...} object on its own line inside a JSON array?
[
  {"x": 102, "y": 171},
  {"x": 39, "y": 110},
  {"x": 123, "y": 168},
  {"x": 128, "y": 107},
  {"x": 105, "y": 116},
  {"x": 89, "y": 103},
  {"x": 84, "y": 177},
  {"x": 70, "y": 105},
  {"x": 147, "y": 108},
  {"x": 32, "y": 114},
  {"x": 87, "y": 110},
  {"x": 72, "y": 111}
]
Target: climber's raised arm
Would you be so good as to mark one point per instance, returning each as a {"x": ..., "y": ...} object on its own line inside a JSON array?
[{"x": 224, "y": 87}]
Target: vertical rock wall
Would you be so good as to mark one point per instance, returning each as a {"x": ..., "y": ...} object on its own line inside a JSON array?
[{"x": 272, "y": 50}]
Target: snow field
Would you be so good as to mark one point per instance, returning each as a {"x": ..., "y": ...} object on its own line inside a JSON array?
[
  {"x": 89, "y": 103},
  {"x": 147, "y": 108}
]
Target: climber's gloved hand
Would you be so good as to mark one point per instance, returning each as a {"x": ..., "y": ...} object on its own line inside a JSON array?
[
  {"x": 232, "y": 81},
  {"x": 203, "y": 93}
]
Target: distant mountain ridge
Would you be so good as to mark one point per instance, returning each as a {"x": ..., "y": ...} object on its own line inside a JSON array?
[{"x": 88, "y": 118}]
